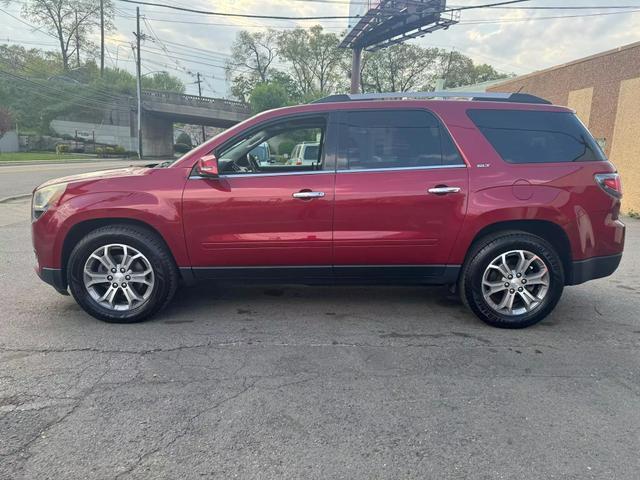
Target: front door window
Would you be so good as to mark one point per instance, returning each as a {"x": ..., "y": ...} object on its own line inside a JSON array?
[{"x": 291, "y": 146}]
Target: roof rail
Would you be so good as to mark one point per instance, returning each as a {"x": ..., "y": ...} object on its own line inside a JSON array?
[{"x": 486, "y": 96}]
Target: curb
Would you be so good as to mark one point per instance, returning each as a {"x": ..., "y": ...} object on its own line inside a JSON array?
[{"x": 14, "y": 197}]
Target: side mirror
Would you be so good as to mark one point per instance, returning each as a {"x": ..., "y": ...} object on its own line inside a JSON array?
[{"x": 207, "y": 166}]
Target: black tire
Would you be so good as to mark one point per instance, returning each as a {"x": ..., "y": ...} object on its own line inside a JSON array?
[
  {"x": 165, "y": 272},
  {"x": 484, "y": 252}
]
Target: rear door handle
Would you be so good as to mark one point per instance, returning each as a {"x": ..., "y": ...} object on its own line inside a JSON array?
[
  {"x": 443, "y": 190},
  {"x": 308, "y": 195}
]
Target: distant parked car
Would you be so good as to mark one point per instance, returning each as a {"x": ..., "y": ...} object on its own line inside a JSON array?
[{"x": 304, "y": 154}]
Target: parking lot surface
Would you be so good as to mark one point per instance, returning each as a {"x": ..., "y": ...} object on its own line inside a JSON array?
[{"x": 316, "y": 382}]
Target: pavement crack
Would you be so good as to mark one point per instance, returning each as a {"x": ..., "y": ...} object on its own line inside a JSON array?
[{"x": 189, "y": 426}]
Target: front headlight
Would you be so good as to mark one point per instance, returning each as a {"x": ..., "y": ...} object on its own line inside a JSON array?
[{"x": 43, "y": 198}]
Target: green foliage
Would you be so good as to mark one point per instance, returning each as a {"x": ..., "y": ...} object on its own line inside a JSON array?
[
  {"x": 182, "y": 148},
  {"x": 252, "y": 53},
  {"x": 316, "y": 64},
  {"x": 5, "y": 121},
  {"x": 400, "y": 68},
  {"x": 312, "y": 66},
  {"x": 633, "y": 214},
  {"x": 286, "y": 147},
  {"x": 266, "y": 96},
  {"x": 459, "y": 70},
  {"x": 184, "y": 139},
  {"x": 62, "y": 148},
  {"x": 37, "y": 89},
  {"x": 163, "y": 81}
]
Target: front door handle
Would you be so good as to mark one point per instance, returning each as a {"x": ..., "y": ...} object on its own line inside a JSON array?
[
  {"x": 443, "y": 190},
  {"x": 308, "y": 194}
]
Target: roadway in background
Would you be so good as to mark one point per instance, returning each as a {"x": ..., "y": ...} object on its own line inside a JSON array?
[{"x": 24, "y": 177}]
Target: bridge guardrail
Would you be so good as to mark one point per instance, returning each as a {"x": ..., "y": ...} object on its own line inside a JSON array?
[{"x": 186, "y": 99}]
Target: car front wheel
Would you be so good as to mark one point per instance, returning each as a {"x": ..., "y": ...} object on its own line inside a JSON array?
[
  {"x": 121, "y": 273},
  {"x": 512, "y": 280}
]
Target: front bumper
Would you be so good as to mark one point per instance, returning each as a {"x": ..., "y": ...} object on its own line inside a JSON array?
[
  {"x": 54, "y": 277},
  {"x": 592, "y": 268}
]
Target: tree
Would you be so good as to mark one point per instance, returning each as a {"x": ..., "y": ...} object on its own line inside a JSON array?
[
  {"x": 268, "y": 95},
  {"x": 485, "y": 73},
  {"x": 252, "y": 53},
  {"x": 35, "y": 87},
  {"x": 184, "y": 139},
  {"x": 458, "y": 70},
  {"x": 400, "y": 68},
  {"x": 71, "y": 21},
  {"x": 5, "y": 121},
  {"x": 317, "y": 65},
  {"x": 163, "y": 81}
]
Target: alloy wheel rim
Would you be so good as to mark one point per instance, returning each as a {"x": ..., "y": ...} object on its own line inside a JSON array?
[
  {"x": 515, "y": 282},
  {"x": 118, "y": 277}
]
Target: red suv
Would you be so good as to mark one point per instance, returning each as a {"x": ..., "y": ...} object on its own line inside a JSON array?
[{"x": 504, "y": 197}]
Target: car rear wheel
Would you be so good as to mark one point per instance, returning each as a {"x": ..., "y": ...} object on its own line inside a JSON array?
[
  {"x": 121, "y": 274},
  {"x": 512, "y": 279}
]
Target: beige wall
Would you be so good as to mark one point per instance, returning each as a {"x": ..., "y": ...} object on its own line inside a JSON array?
[
  {"x": 580, "y": 101},
  {"x": 625, "y": 147}
]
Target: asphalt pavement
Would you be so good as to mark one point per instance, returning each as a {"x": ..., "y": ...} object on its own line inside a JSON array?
[
  {"x": 22, "y": 178},
  {"x": 316, "y": 382}
]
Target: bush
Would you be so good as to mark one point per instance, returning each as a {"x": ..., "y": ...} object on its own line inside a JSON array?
[
  {"x": 286, "y": 146},
  {"x": 184, "y": 139},
  {"x": 181, "y": 148},
  {"x": 119, "y": 150},
  {"x": 99, "y": 151}
]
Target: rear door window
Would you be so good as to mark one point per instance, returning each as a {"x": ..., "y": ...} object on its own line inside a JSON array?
[
  {"x": 529, "y": 136},
  {"x": 371, "y": 139}
]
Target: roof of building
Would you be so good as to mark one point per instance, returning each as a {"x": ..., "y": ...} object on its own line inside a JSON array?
[{"x": 567, "y": 64}]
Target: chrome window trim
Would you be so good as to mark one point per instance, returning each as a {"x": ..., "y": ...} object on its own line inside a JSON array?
[
  {"x": 253, "y": 175},
  {"x": 387, "y": 169}
]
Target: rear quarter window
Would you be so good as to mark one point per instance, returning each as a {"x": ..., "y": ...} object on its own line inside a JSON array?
[{"x": 529, "y": 136}]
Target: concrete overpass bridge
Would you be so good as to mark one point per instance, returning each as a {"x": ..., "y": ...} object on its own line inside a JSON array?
[{"x": 162, "y": 109}]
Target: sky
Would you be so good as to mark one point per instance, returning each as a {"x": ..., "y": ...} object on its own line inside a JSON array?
[{"x": 512, "y": 40}]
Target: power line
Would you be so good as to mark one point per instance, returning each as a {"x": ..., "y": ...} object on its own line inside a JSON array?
[
  {"x": 38, "y": 29},
  {"x": 55, "y": 94},
  {"x": 531, "y": 19},
  {"x": 244, "y": 15},
  {"x": 576, "y": 7},
  {"x": 485, "y": 5}
]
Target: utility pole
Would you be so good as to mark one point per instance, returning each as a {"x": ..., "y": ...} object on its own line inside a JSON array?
[
  {"x": 204, "y": 137},
  {"x": 101, "y": 37},
  {"x": 139, "y": 81},
  {"x": 355, "y": 70},
  {"x": 77, "y": 40}
]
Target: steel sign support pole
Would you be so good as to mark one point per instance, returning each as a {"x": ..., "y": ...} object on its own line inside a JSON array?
[{"x": 355, "y": 70}]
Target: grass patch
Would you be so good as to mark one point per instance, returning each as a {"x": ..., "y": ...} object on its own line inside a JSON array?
[{"x": 40, "y": 156}]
